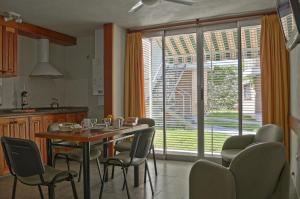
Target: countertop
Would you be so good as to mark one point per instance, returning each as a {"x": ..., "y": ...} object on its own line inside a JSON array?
[{"x": 41, "y": 110}]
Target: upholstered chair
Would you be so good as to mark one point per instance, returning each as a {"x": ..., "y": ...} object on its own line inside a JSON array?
[
  {"x": 258, "y": 172},
  {"x": 235, "y": 144}
]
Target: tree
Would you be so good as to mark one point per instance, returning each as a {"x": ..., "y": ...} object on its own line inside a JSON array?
[{"x": 222, "y": 87}]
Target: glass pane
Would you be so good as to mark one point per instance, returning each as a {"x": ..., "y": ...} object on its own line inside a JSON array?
[
  {"x": 181, "y": 94},
  {"x": 220, "y": 88},
  {"x": 153, "y": 80},
  {"x": 251, "y": 86}
]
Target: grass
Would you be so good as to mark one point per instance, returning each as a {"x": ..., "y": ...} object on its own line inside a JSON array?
[{"x": 187, "y": 139}]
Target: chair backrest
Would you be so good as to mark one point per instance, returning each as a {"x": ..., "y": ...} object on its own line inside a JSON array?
[
  {"x": 22, "y": 156},
  {"x": 269, "y": 133},
  {"x": 257, "y": 170},
  {"x": 149, "y": 121},
  {"x": 141, "y": 143}
]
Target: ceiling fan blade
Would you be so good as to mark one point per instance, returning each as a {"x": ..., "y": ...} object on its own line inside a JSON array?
[
  {"x": 184, "y": 2},
  {"x": 136, "y": 7}
]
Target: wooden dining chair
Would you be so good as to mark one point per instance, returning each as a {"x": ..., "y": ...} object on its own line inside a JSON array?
[{"x": 25, "y": 164}]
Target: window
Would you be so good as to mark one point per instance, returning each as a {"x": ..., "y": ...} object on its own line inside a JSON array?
[
  {"x": 251, "y": 109},
  {"x": 180, "y": 60},
  {"x": 247, "y": 91},
  {"x": 229, "y": 83}
]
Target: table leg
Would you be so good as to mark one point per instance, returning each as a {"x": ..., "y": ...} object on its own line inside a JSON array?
[
  {"x": 49, "y": 160},
  {"x": 49, "y": 152},
  {"x": 105, "y": 155},
  {"x": 86, "y": 170},
  {"x": 136, "y": 176}
]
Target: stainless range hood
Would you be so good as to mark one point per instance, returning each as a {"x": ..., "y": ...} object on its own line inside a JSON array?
[{"x": 43, "y": 68}]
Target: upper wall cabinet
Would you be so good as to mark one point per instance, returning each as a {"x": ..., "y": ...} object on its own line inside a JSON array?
[{"x": 8, "y": 51}]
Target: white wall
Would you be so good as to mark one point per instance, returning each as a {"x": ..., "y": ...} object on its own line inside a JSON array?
[
  {"x": 295, "y": 111},
  {"x": 78, "y": 76},
  {"x": 75, "y": 89},
  {"x": 119, "y": 40},
  {"x": 38, "y": 95}
]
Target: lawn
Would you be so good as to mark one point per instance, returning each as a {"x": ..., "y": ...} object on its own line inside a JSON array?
[{"x": 186, "y": 139}]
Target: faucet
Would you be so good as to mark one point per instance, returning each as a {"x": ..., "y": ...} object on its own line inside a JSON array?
[
  {"x": 54, "y": 103},
  {"x": 24, "y": 100}
]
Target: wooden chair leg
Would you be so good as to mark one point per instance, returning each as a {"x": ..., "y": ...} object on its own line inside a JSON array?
[
  {"x": 74, "y": 188},
  {"x": 41, "y": 192},
  {"x": 14, "y": 188}
]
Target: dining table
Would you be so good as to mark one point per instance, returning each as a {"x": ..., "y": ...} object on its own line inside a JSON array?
[{"x": 88, "y": 137}]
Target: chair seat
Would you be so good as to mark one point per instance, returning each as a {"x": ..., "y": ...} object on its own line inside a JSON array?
[
  {"x": 77, "y": 154},
  {"x": 229, "y": 154},
  {"x": 124, "y": 157},
  {"x": 123, "y": 146},
  {"x": 49, "y": 176}
]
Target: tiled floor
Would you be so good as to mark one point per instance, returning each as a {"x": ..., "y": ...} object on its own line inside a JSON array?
[{"x": 171, "y": 183}]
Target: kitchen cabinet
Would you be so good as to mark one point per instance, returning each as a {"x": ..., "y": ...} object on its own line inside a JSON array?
[
  {"x": 36, "y": 126},
  {"x": 12, "y": 127},
  {"x": 48, "y": 119},
  {"x": 4, "y": 131},
  {"x": 26, "y": 127},
  {"x": 8, "y": 48}
]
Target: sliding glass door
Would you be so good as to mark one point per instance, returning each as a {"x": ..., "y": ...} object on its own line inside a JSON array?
[
  {"x": 153, "y": 78},
  {"x": 181, "y": 92},
  {"x": 202, "y": 85},
  {"x": 221, "y": 99}
]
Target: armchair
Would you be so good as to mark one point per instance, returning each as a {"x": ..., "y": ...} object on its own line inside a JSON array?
[
  {"x": 235, "y": 144},
  {"x": 260, "y": 171}
]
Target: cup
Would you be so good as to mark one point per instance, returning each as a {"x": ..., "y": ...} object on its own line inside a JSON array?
[{"x": 86, "y": 123}]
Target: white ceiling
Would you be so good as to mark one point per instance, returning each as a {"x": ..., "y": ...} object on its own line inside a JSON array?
[{"x": 79, "y": 17}]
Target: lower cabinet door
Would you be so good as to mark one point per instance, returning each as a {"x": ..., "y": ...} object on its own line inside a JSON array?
[
  {"x": 4, "y": 131},
  {"x": 36, "y": 126}
]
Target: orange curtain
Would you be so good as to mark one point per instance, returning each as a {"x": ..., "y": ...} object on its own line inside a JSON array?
[
  {"x": 134, "y": 77},
  {"x": 275, "y": 76}
]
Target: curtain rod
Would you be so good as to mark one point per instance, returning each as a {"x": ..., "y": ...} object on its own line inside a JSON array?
[{"x": 204, "y": 21}]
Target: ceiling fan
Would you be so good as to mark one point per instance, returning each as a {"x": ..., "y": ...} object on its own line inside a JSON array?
[{"x": 141, "y": 3}]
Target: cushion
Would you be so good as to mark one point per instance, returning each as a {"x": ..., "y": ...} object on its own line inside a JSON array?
[
  {"x": 77, "y": 154},
  {"x": 123, "y": 146},
  {"x": 229, "y": 154},
  {"x": 124, "y": 157}
]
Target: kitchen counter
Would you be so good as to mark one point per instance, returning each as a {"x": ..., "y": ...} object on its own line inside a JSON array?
[{"x": 41, "y": 111}]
